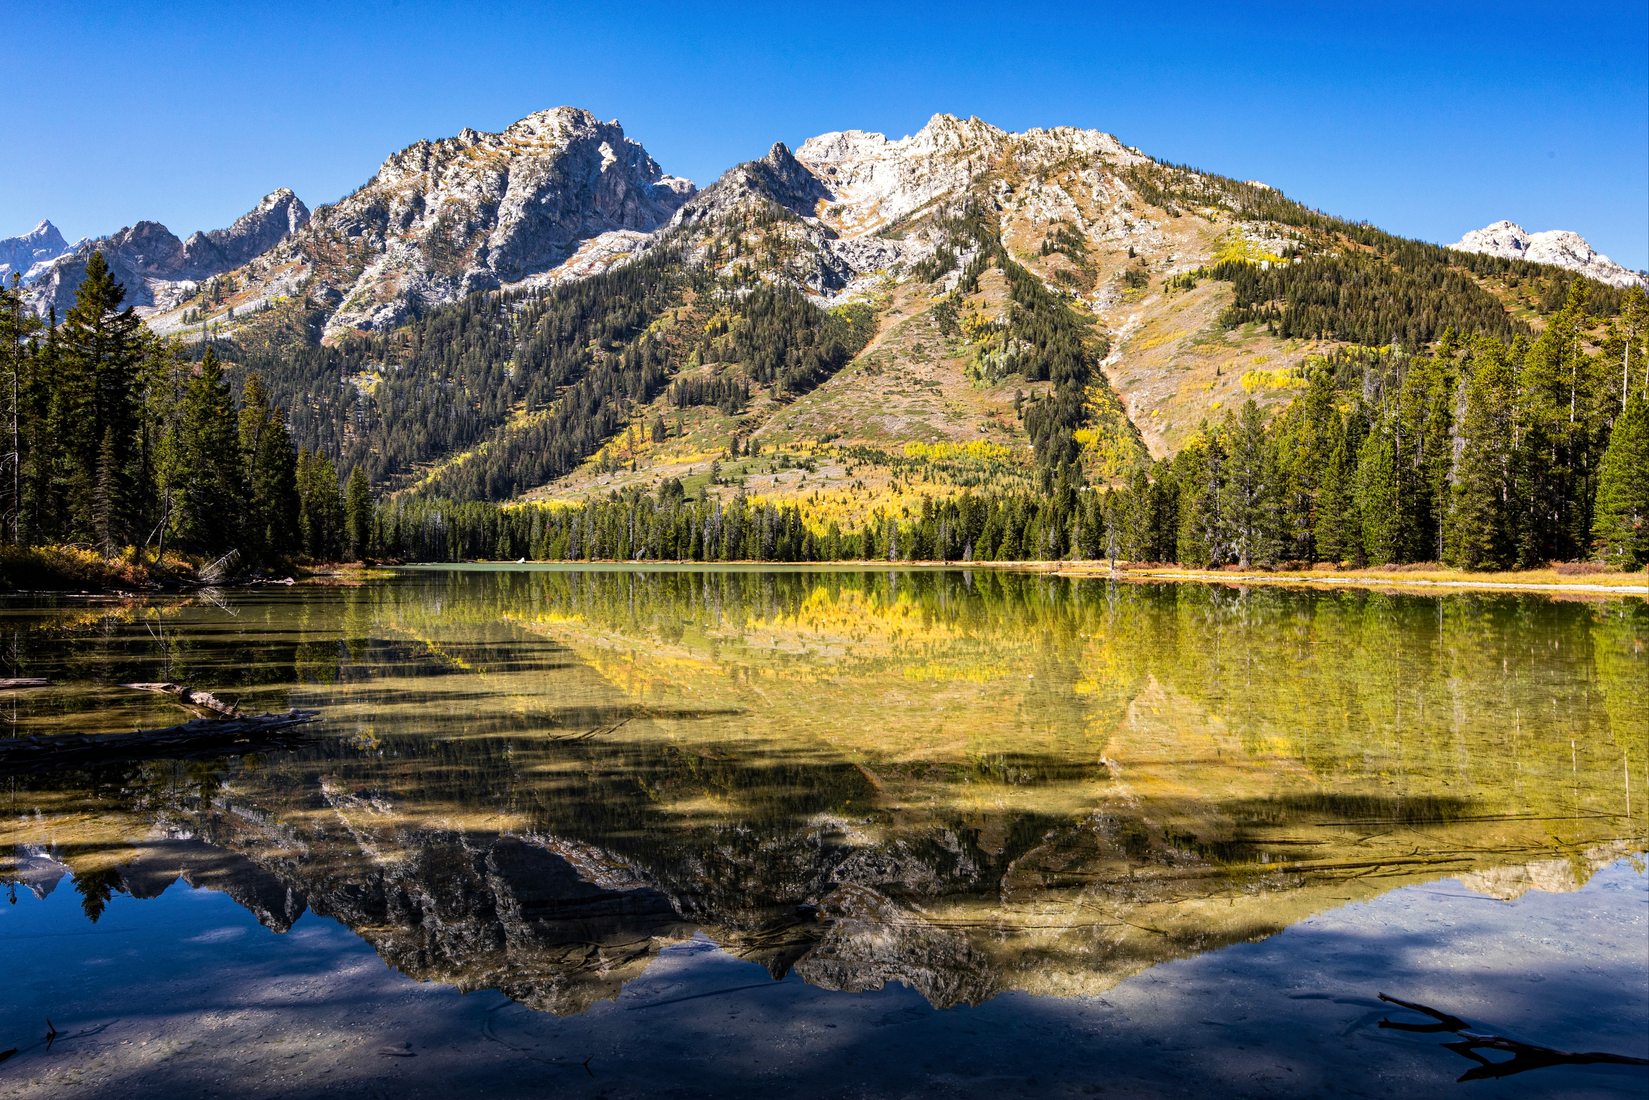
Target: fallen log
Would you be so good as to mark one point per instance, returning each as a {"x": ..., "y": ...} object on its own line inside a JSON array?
[
  {"x": 200, "y": 735},
  {"x": 18, "y": 682},
  {"x": 189, "y": 696}
]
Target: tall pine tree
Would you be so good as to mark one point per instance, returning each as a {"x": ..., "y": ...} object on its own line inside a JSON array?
[
  {"x": 94, "y": 417},
  {"x": 1478, "y": 526},
  {"x": 358, "y": 513},
  {"x": 1620, "y": 519},
  {"x": 208, "y": 490}
]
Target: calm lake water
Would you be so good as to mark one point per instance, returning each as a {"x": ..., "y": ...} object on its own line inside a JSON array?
[{"x": 829, "y": 832}]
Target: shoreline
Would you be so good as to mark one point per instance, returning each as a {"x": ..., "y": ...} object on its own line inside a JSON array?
[
  {"x": 1531, "y": 582},
  {"x": 1616, "y": 584}
]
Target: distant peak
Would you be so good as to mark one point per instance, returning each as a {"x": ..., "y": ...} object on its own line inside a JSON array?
[
  {"x": 1557, "y": 247},
  {"x": 972, "y": 126},
  {"x": 558, "y": 118}
]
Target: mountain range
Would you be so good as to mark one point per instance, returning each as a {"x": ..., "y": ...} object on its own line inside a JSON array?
[
  {"x": 159, "y": 270},
  {"x": 545, "y": 313}
]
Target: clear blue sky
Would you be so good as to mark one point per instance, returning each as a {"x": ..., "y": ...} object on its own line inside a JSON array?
[{"x": 1426, "y": 118}]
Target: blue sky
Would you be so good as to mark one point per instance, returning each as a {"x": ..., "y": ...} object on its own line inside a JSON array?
[{"x": 1425, "y": 118}]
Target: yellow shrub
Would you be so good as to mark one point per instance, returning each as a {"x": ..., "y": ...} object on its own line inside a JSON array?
[{"x": 1282, "y": 378}]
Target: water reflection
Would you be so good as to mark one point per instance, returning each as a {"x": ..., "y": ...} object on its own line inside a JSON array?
[{"x": 964, "y": 782}]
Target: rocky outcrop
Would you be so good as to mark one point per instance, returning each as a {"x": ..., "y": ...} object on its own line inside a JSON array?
[
  {"x": 778, "y": 178},
  {"x": 278, "y": 216},
  {"x": 39, "y": 245},
  {"x": 858, "y": 205},
  {"x": 1557, "y": 247}
]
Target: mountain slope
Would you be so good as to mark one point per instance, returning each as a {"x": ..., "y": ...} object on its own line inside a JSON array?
[{"x": 443, "y": 219}]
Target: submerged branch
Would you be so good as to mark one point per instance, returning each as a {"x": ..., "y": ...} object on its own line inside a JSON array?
[{"x": 1524, "y": 1056}]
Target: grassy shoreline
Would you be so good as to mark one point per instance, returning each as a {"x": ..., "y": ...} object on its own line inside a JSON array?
[{"x": 29, "y": 570}]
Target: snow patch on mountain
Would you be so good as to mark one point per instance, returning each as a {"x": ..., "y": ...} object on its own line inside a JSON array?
[{"x": 1557, "y": 247}]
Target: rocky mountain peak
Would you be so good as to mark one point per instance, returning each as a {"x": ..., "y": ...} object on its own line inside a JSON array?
[
  {"x": 778, "y": 177},
  {"x": 947, "y": 133},
  {"x": 1557, "y": 247},
  {"x": 39, "y": 245},
  {"x": 277, "y": 216},
  {"x": 444, "y": 218},
  {"x": 558, "y": 121},
  {"x": 876, "y": 182}
]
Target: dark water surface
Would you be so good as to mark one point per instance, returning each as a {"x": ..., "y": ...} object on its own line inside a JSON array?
[{"x": 829, "y": 832}]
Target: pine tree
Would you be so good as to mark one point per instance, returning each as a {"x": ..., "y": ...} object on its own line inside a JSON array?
[
  {"x": 1338, "y": 525},
  {"x": 1552, "y": 437},
  {"x": 1250, "y": 488},
  {"x": 1634, "y": 323},
  {"x": 1203, "y": 534},
  {"x": 106, "y": 499},
  {"x": 208, "y": 487},
  {"x": 17, "y": 329},
  {"x": 1620, "y": 518},
  {"x": 358, "y": 513},
  {"x": 275, "y": 484},
  {"x": 1478, "y": 525},
  {"x": 268, "y": 468},
  {"x": 320, "y": 507},
  {"x": 97, "y": 353},
  {"x": 1379, "y": 495}
]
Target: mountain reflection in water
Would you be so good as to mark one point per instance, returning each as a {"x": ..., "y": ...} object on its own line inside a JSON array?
[{"x": 969, "y": 783}]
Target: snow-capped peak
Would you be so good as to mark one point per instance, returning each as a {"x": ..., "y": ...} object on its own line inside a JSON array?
[
  {"x": 39, "y": 245},
  {"x": 1558, "y": 247}
]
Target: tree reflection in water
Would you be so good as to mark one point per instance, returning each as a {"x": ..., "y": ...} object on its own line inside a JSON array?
[{"x": 966, "y": 782}]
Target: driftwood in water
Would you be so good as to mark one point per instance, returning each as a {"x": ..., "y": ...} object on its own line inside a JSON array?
[
  {"x": 1524, "y": 1056},
  {"x": 197, "y": 736},
  {"x": 17, "y": 682},
  {"x": 204, "y": 700}
]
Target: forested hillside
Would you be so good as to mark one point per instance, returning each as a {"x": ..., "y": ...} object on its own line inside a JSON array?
[{"x": 1481, "y": 456}]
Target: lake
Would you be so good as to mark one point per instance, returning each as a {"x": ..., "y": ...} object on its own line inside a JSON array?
[{"x": 612, "y": 831}]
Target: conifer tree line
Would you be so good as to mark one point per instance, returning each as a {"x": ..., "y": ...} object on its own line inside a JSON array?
[
  {"x": 668, "y": 526},
  {"x": 118, "y": 443},
  {"x": 1483, "y": 454}
]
